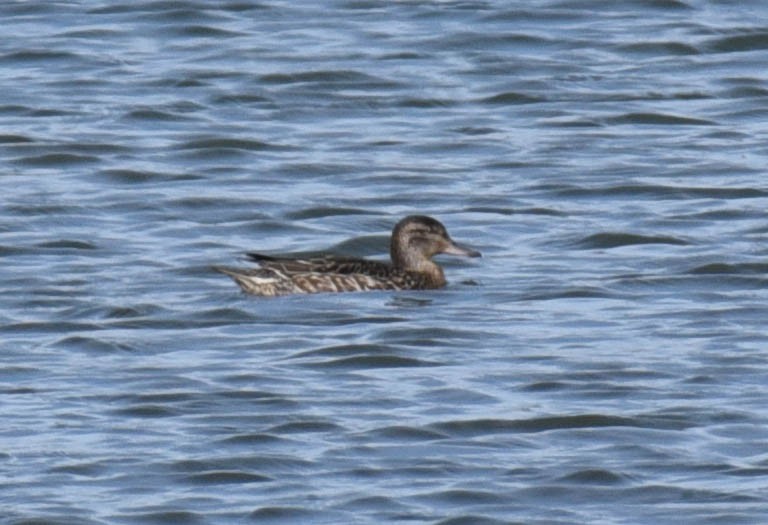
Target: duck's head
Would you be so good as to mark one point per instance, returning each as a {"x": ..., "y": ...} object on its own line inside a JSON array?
[{"x": 417, "y": 238}]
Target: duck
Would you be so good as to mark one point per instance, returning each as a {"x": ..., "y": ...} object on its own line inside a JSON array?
[{"x": 415, "y": 240}]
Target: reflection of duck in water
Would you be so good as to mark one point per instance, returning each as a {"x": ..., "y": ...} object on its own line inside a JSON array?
[{"x": 415, "y": 240}]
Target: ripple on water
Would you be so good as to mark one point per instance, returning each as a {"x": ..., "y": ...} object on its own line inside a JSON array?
[
  {"x": 163, "y": 517},
  {"x": 595, "y": 477},
  {"x": 155, "y": 114},
  {"x": 52, "y": 519},
  {"x": 658, "y": 119},
  {"x": 325, "y": 78},
  {"x": 581, "y": 292},
  {"x": 617, "y": 239},
  {"x": 654, "y": 49},
  {"x": 294, "y": 514},
  {"x": 211, "y": 148},
  {"x": 656, "y": 191},
  {"x": 56, "y": 159},
  {"x": 472, "y": 519},
  {"x": 362, "y": 362},
  {"x": 722, "y": 268},
  {"x": 515, "y": 211},
  {"x": 480, "y": 427},
  {"x": 750, "y": 40},
  {"x": 225, "y": 477},
  {"x": 512, "y": 98},
  {"x": 406, "y": 433},
  {"x": 14, "y": 139},
  {"x": 307, "y": 426},
  {"x": 254, "y": 440},
  {"x": 319, "y": 212},
  {"x": 79, "y": 343},
  {"x": 39, "y": 55},
  {"x": 88, "y": 470},
  {"x": 437, "y": 336}
]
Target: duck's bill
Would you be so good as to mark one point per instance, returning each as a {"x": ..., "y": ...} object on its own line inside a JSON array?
[{"x": 457, "y": 249}]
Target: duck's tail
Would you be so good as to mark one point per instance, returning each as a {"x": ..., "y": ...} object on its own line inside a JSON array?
[{"x": 254, "y": 281}]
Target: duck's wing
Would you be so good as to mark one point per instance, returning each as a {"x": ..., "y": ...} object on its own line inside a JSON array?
[
  {"x": 327, "y": 264},
  {"x": 260, "y": 281},
  {"x": 271, "y": 279}
]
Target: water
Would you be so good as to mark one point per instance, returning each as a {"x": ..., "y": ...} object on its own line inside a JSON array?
[{"x": 605, "y": 362}]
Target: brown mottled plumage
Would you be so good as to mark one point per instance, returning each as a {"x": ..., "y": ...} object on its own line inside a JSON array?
[{"x": 415, "y": 240}]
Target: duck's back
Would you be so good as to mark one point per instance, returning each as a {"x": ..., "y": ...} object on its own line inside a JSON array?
[
  {"x": 285, "y": 276},
  {"x": 326, "y": 264}
]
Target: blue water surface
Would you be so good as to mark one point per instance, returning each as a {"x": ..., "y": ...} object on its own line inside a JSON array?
[{"x": 606, "y": 361}]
